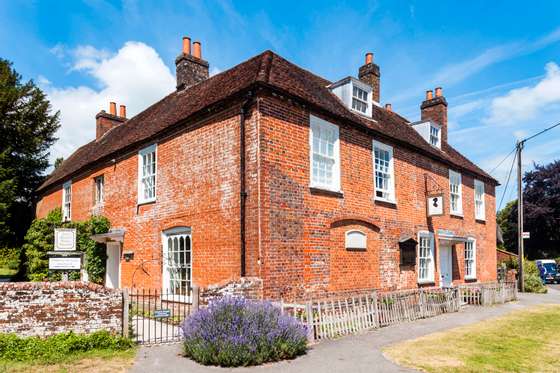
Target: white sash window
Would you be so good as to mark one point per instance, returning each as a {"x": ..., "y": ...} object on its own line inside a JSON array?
[
  {"x": 455, "y": 190},
  {"x": 470, "y": 259},
  {"x": 425, "y": 257},
  {"x": 67, "y": 201},
  {"x": 147, "y": 163},
  {"x": 325, "y": 156},
  {"x": 177, "y": 264},
  {"x": 384, "y": 172},
  {"x": 479, "y": 206}
]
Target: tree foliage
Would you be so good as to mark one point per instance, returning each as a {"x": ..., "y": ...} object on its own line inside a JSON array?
[
  {"x": 541, "y": 196},
  {"x": 27, "y": 125},
  {"x": 39, "y": 240}
]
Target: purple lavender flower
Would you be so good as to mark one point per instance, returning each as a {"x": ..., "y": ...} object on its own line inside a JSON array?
[{"x": 234, "y": 331}]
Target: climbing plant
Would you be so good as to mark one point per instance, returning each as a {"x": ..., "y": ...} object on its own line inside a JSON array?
[{"x": 40, "y": 239}]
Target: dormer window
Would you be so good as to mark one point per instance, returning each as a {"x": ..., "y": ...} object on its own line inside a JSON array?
[
  {"x": 434, "y": 136},
  {"x": 355, "y": 94},
  {"x": 359, "y": 99},
  {"x": 430, "y": 131}
]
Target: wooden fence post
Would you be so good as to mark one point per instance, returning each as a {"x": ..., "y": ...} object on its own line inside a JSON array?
[
  {"x": 195, "y": 298},
  {"x": 376, "y": 319},
  {"x": 309, "y": 316},
  {"x": 125, "y": 313}
]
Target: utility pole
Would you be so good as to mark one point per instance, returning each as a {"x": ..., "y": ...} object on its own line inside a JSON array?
[{"x": 520, "y": 250}]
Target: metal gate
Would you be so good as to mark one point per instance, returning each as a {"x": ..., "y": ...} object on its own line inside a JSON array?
[{"x": 156, "y": 316}]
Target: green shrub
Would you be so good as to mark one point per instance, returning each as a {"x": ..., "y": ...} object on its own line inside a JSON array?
[
  {"x": 532, "y": 278},
  {"x": 40, "y": 239},
  {"x": 58, "y": 347},
  {"x": 9, "y": 258}
]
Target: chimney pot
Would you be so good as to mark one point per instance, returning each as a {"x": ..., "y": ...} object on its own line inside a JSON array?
[
  {"x": 122, "y": 111},
  {"x": 369, "y": 58},
  {"x": 439, "y": 92},
  {"x": 388, "y": 107},
  {"x": 429, "y": 95},
  {"x": 186, "y": 45},
  {"x": 197, "y": 50},
  {"x": 113, "y": 108}
]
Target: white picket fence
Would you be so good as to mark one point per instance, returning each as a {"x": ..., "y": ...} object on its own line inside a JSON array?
[
  {"x": 343, "y": 315},
  {"x": 487, "y": 294}
]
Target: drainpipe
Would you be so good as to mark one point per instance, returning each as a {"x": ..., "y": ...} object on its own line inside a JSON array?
[{"x": 243, "y": 191}]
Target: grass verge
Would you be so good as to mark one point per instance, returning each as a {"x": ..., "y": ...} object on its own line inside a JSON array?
[
  {"x": 523, "y": 341},
  {"x": 66, "y": 352},
  {"x": 102, "y": 361}
]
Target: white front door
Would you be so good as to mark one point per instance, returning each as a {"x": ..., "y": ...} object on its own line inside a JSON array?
[
  {"x": 445, "y": 264},
  {"x": 112, "y": 273}
]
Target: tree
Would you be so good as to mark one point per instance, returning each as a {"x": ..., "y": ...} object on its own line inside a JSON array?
[
  {"x": 27, "y": 125},
  {"x": 58, "y": 162},
  {"x": 541, "y": 196},
  {"x": 507, "y": 220}
]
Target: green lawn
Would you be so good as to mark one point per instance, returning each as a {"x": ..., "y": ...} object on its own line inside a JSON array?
[
  {"x": 100, "y": 361},
  {"x": 523, "y": 341}
]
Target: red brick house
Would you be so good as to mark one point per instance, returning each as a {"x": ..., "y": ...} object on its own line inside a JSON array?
[{"x": 269, "y": 171}]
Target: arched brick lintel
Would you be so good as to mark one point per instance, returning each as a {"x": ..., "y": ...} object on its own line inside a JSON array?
[{"x": 341, "y": 221}]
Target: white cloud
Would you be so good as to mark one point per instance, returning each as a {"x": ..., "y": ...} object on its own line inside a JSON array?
[
  {"x": 134, "y": 76},
  {"x": 525, "y": 103}
]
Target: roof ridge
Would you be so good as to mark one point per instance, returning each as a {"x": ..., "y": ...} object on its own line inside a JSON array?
[{"x": 263, "y": 72}]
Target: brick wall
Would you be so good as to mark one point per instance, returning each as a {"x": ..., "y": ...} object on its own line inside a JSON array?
[
  {"x": 248, "y": 287},
  {"x": 47, "y": 308},
  {"x": 304, "y": 248},
  {"x": 197, "y": 187}
]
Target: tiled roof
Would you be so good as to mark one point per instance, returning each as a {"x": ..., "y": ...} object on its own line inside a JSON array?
[{"x": 266, "y": 68}]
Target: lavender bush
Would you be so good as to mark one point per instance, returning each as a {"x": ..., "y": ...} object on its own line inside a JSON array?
[{"x": 236, "y": 331}]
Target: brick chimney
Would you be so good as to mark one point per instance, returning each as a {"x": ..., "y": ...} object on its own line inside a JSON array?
[
  {"x": 369, "y": 74},
  {"x": 105, "y": 121},
  {"x": 435, "y": 109},
  {"x": 191, "y": 68}
]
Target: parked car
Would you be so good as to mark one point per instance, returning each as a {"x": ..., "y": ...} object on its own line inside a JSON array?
[{"x": 551, "y": 273}]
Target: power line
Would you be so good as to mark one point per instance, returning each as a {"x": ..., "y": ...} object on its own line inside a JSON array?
[
  {"x": 507, "y": 182},
  {"x": 502, "y": 161},
  {"x": 540, "y": 133}
]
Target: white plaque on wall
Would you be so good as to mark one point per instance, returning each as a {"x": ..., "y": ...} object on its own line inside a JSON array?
[
  {"x": 62, "y": 263},
  {"x": 65, "y": 239},
  {"x": 435, "y": 205}
]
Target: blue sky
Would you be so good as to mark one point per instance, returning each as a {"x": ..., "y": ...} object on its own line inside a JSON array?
[{"x": 496, "y": 61}]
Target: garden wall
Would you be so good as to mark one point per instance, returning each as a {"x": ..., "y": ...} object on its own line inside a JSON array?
[
  {"x": 47, "y": 308},
  {"x": 248, "y": 287}
]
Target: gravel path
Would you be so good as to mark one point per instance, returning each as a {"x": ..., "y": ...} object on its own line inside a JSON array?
[{"x": 360, "y": 353}]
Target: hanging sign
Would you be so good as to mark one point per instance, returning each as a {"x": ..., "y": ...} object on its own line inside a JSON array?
[
  {"x": 435, "y": 205},
  {"x": 65, "y": 263},
  {"x": 65, "y": 239}
]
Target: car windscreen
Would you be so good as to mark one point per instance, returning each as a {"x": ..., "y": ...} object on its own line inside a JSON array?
[{"x": 550, "y": 267}]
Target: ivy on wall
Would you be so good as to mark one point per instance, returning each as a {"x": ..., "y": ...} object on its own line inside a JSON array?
[{"x": 39, "y": 240}]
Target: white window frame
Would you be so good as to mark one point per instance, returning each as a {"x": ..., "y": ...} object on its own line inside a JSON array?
[
  {"x": 470, "y": 261},
  {"x": 391, "y": 198},
  {"x": 430, "y": 269},
  {"x": 141, "y": 196},
  {"x": 178, "y": 232},
  {"x": 99, "y": 193},
  {"x": 318, "y": 124},
  {"x": 355, "y": 242},
  {"x": 360, "y": 100},
  {"x": 436, "y": 136},
  {"x": 479, "y": 200},
  {"x": 455, "y": 179},
  {"x": 67, "y": 201}
]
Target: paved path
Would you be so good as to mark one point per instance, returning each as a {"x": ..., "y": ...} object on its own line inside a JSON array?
[{"x": 361, "y": 353}]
